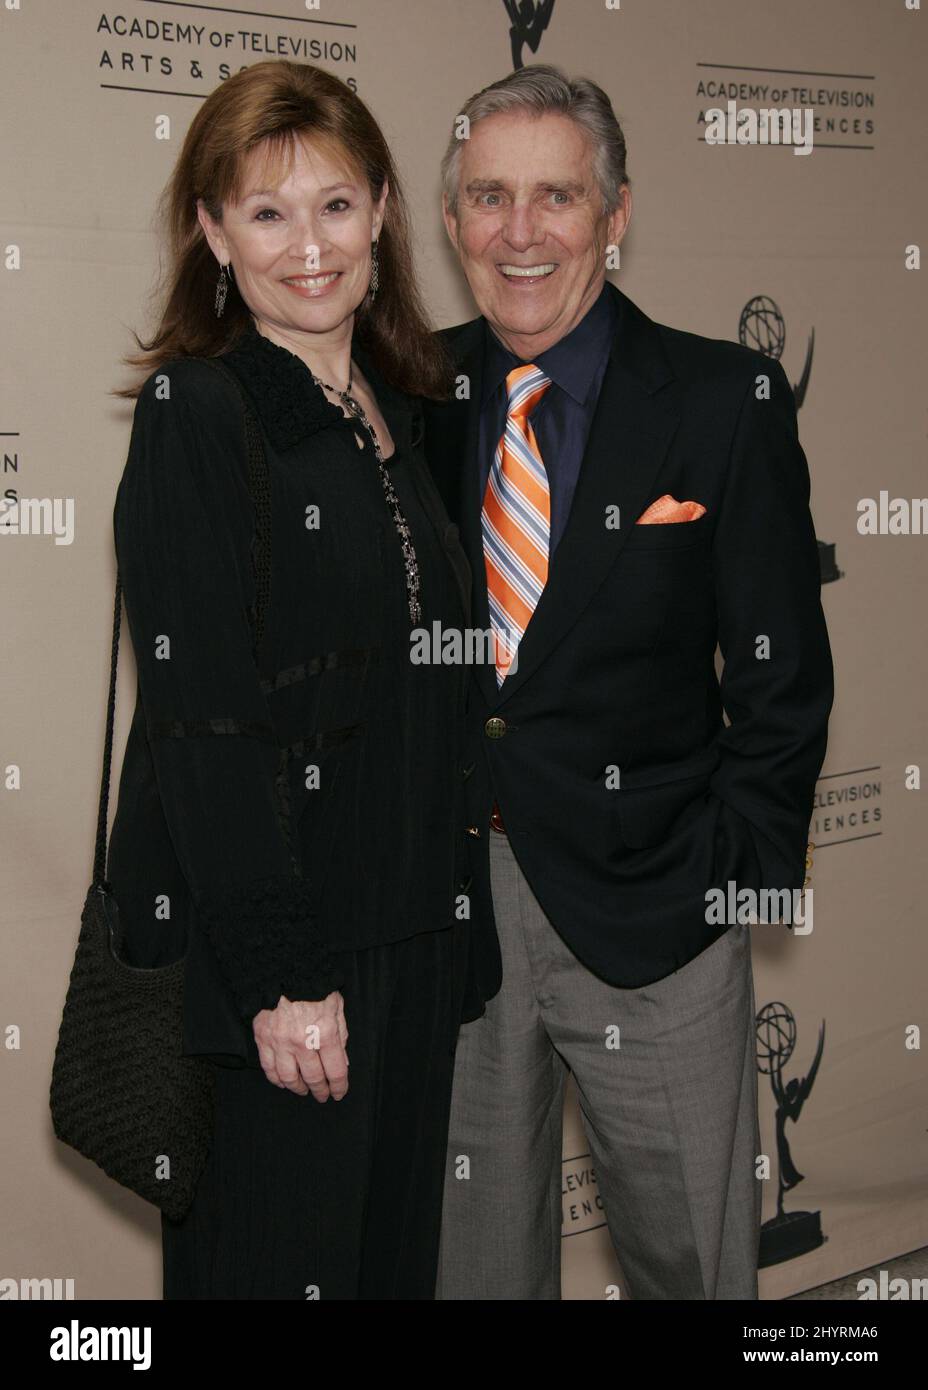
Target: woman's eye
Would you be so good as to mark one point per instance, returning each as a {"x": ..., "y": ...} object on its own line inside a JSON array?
[{"x": 336, "y": 205}]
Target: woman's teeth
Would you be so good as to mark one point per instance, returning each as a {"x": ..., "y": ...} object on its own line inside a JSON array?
[
  {"x": 528, "y": 271},
  {"x": 312, "y": 282}
]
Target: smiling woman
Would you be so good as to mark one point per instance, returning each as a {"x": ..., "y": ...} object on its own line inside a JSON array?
[
  {"x": 317, "y": 213},
  {"x": 289, "y": 818},
  {"x": 306, "y": 174}
]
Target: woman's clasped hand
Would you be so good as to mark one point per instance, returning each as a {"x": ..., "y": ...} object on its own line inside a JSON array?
[{"x": 302, "y": 1046}]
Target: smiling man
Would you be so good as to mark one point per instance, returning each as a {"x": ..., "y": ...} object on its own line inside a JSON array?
[{"x": 632, "y": 497}]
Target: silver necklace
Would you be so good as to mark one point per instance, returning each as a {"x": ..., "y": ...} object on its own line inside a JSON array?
[{"x": 355, "y": 408}]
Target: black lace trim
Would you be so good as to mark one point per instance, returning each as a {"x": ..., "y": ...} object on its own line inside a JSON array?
[
  {"x": 268, "y": 943},
  {"x": 289, "y": 402},
  {"x": 330, "y": 739},
  {"x": 197, "y": 728},
  {"x": 330, "y": 661}
]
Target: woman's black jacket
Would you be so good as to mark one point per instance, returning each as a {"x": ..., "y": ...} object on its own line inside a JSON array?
[{"x": 276, "y": 810}]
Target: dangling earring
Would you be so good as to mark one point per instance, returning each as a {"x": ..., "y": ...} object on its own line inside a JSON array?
[
  {"x": 222, "y": 289},
  {"x": 375, "y": 272}
]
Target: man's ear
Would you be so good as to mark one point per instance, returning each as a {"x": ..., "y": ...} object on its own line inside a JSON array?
[
  {"x": 214, "y": 234},
  {"x": 620, "y": 218},
  {"x": 451, "y": 222}
]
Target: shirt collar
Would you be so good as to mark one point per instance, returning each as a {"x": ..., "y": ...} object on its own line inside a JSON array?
[
  {"x": 571, "y": 362},
  {"x": 289, "y": 403}
]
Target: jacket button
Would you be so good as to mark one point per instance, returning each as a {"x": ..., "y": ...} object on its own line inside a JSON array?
[
  {"x": 474, "y": 830},
  {"x": 495, "y": 727}
]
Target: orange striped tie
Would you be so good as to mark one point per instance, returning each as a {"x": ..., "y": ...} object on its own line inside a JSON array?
[{"x": 516, "y": 519}]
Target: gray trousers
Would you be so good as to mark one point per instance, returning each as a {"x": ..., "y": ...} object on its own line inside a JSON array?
[{"x": 670, "y": 1114}]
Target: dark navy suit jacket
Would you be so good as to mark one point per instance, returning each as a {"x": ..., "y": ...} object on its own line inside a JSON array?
[{"x": 615, "y": 680}]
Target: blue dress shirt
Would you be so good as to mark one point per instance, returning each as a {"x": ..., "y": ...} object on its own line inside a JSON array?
[{"x": 562, "y": 418}]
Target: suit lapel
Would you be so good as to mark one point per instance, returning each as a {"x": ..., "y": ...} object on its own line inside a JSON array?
[
  {"x": 463, "y": 436},
  {"x": 633, "y": 425},
  {"x": 634, "y": 422},
  {"x": 629, "y": 438},
  {"x": 472, "y": 517},
  {"x": 447, "y": 532}
]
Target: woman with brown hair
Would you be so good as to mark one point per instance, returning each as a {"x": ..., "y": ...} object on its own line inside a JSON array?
[{"x": 289, "y": 798}]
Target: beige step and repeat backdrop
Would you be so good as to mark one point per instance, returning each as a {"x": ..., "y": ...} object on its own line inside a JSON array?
[{"x": 813, "y": 257}]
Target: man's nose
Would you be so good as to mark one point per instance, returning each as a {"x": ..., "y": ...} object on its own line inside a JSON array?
[{"x": 521, "y": 229}]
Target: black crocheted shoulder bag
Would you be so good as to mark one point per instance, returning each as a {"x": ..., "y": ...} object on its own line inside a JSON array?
[{"x": 122, "y": 1093}]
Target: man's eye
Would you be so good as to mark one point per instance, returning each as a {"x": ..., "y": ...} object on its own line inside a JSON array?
[
  {"x": 557, "y": 194},
  {"x": 486, "y": 200}
]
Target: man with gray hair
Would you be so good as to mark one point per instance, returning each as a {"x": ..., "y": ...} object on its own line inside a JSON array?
[{"x": 631, "y": 497}]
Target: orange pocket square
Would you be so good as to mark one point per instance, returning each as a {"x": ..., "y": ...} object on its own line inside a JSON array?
[{"x": 667, "y": 508}]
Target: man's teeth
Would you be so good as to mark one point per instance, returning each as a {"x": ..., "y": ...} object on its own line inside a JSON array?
[
  {"x": 312, "y": 282},
  {"x": 528, "y": 270}
]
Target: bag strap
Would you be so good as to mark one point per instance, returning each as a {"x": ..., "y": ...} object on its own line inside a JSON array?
[
  {"x": 99, "y": 854},
  {"x": 259, "y": 489}
]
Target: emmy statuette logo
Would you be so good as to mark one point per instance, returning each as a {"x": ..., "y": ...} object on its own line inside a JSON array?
[
  {"x": 528, "y": 20},
  {"x": 789, "y": 1233},
  {"x": 763, "y": 328}
]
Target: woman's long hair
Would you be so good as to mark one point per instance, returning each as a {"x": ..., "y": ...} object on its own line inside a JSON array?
[{"x": 273, "y": 104}]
